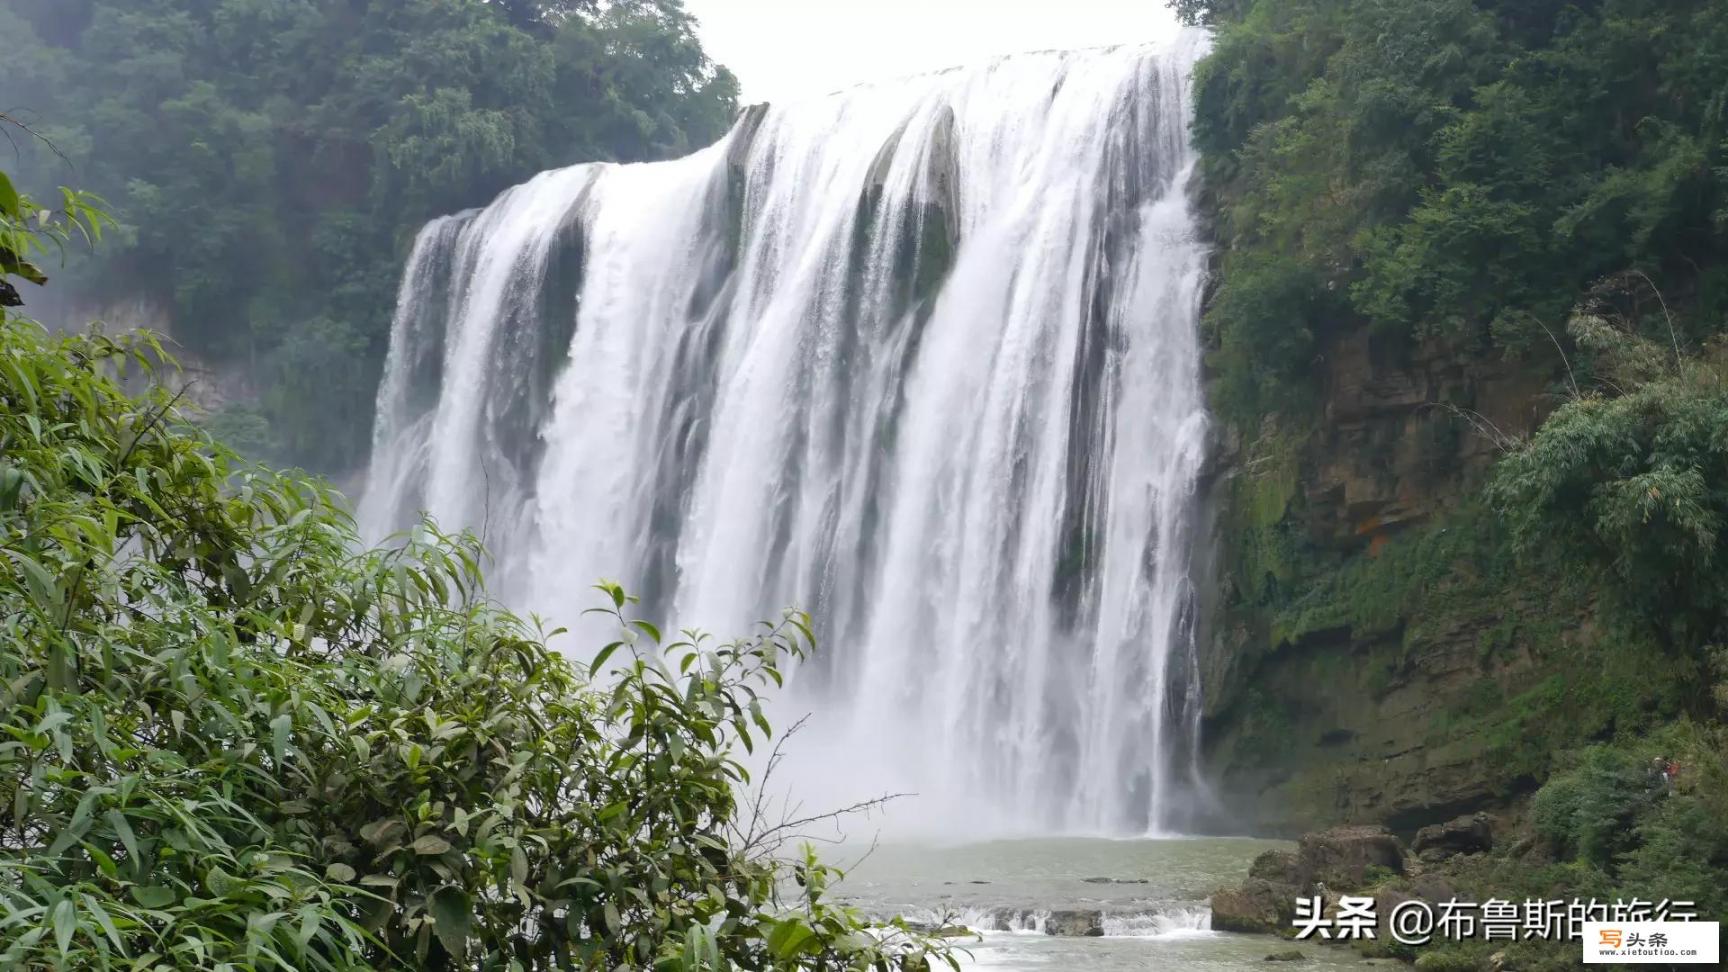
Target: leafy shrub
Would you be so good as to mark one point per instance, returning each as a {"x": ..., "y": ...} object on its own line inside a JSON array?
[
  {"x": 1612, "y": 816},
  {"x": 1588, "y": 811},
  {"x": 231, "y": 738},
  {"x": 1632, "y": 487}
]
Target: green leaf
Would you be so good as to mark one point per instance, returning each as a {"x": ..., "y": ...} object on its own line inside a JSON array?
[
  {"x": 280, "y": 727},
  {"x": 518, "y": 866},
  {"x": 600, "y": 658},
  {"x": 311, "y": 916},
  {"x": 219, "y": 882},
  {"x": 10, "y": 203},
  {"x": 340, "y": 873},
  {"x": 381, "y": 832},
  {"x": 65, "y": 921},
  {"x": 153, "y": 897},
  {"x": 430, "y": 845},
  {"x": 613, "y": 921},
  {"x": 129, "y": 840},
  {"x": 14, "y": 263},
  {"x": 43, "y": 590},
  {"x": 76, "y": 828},
  {"x": 789, "y": 937},
  {"x": 105, "y": 921},
  {"x": 452, "y": 919}
]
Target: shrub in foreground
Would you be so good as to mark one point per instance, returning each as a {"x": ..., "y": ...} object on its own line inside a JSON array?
[{"x": 230, "y": 738}]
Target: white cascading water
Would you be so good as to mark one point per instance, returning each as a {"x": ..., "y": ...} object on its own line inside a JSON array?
[{"x": 919, "y": 358}]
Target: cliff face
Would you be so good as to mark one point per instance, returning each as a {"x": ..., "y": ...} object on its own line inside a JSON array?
[{"x": 1375, "y": 654}]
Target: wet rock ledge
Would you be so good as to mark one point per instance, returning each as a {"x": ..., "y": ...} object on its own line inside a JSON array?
[{"x": 1350, "y": 860}]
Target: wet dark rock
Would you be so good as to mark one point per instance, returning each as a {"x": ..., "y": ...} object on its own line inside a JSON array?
[
  {"x": 1288, "y": 956},
  {"x": 1433, "y": 888},
  {"x": 942, "y": 931},
  {"x": 1085, "y": 923},
  {"x": 1386, "y": 901},
  {"x": 1279, "y": 867},
  {"x": 1257, "y": 906},
  {"x": 1107, "y": 880},
  {"x": 1470, "y": 834},
  {"x": 1340, "y": 858}
]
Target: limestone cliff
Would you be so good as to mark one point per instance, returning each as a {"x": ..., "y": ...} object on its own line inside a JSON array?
[{"x": 1375, "y": 654}]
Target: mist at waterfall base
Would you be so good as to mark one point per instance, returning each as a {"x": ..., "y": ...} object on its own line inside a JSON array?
[{"x": 919, "y": 358}]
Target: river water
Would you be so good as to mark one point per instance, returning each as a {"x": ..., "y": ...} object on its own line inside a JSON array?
[{"x": 1150, "y": 896}]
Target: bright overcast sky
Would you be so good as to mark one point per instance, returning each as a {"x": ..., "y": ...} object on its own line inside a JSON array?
[{"x": 784, "y": 49}]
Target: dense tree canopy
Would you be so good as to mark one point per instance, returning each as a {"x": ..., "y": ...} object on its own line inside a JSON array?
[
  {"x": 267, "y": 160},
  {"x": 1542, "y": 181},
  {"x": 1461, "y": 170}
]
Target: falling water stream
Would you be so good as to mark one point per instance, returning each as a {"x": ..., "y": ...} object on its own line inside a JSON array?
[{"x": 919, "y": 358}]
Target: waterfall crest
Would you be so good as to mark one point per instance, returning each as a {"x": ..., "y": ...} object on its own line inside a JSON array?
[{"x": 919, "y": 358}]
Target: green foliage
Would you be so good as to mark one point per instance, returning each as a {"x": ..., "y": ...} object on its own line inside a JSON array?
[
  {"x": 1613, "y": 812},
  {"x": 1611, "y": 829},
  {"x": 269, "y": 160},
  {"x": 1263, "y": 325},
  {"x": 1587, "y": 812},
  {"x": 241, "y": 428},
  {"x": 28, "y": 232},
  {"x": 230, "y": 737},
  {"x": 1635, "y": 486},
  {"x": 1454, "y": 170}
]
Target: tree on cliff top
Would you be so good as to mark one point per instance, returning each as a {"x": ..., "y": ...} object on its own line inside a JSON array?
[{"x": 1459, "y": 172}]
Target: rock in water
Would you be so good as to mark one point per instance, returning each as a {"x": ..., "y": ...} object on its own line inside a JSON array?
[
  {"x": 1075, "y": 924},
  {"x": 1279, "y": 867},
  {"x": 1340, "y": 857},
  {"x": 1257, "y": 906}
]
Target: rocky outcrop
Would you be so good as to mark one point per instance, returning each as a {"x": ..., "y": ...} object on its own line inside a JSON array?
[
  {"x": 1344, "y": 858},
  {"x": 1324, "y": 863},
  {"x": 1278, "y": 867},
  {"x": 1472, "y": 834},
  {"x": 1352, "y": 652},
  {"x": 1257, "y": 906}
]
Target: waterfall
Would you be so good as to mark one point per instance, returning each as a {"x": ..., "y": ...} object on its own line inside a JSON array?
[{"x": 919, "y": 358}]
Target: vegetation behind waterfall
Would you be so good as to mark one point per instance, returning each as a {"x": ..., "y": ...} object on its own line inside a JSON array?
[{"x": 269, "y": 162}]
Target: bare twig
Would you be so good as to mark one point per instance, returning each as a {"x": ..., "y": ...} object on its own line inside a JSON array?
[
  {"x": 780, "y": 833},
  {"x": 1674, "y": 339},
  {"x": 1480, "y": 423},
  {"x": 1571, "y": 379},
  {"x": 758, "y": 839},
  {"x": 8, "y": 117}
]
